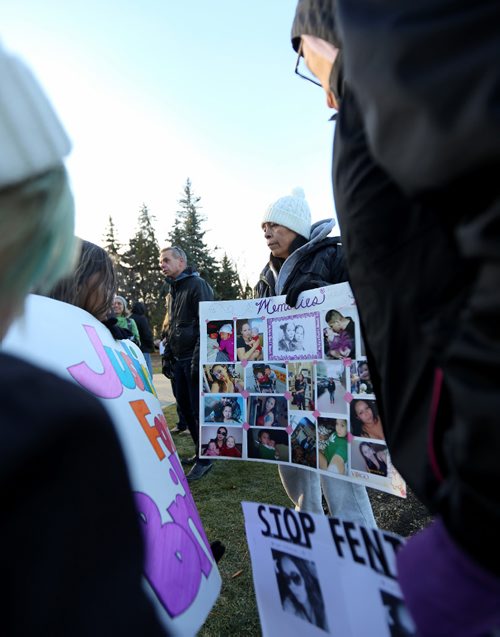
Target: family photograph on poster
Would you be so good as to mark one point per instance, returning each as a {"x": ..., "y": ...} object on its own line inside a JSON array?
[
  {"x": 269, "y": 378},
  {"x": 267, "y": 411},
  {"x": 268, "y": 444},
  {"x": 294, "y": 385},
  {"x": 222, "y": 441},
  {"x": 250, "y": 339},
  {"x": 295, "y": 337},
  {"x": 339, "y": 334},
  {"x": 227, "y": 409},
  {"x": 220, "y": 341}
]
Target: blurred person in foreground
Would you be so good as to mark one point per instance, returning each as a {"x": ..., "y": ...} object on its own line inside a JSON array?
[
  {"x": 416, "y": 188},
  {"x": 72, "y": 553}
]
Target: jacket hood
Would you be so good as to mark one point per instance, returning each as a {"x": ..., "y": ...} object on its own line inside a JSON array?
[
  {"x": 188, "y": 272},
  {"x": 138, "y": 308},
  {"x": 319, "y": 231}
]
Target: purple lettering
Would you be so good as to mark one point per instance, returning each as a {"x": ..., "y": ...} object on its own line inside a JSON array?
[
  {"x": 105, "y": 384},
  {"x": 172, "y": 564}
]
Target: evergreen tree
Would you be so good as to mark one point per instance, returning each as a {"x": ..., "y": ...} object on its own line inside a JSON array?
[
  {"x": 227, "y": 284},
  {"x": 187, "y": 234},
  {"x": 142, "y": 260},
  {"x": 247, "y": 291},
  {"x": 114, "y": 249}
]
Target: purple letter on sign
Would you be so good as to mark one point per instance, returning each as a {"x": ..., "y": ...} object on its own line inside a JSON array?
[
  {"x": 105, "y": 384},
  {"x": 172, "y": 564}
]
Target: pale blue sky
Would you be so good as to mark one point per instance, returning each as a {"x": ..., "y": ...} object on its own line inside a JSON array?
[{"x": 153, "y": 92}]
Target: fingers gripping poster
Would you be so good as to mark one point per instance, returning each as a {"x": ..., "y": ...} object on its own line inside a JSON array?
[
  {"x": 315, "y": 575},
  {"x": 180, "y": 573},
  {"x": 292, "y": 386}
]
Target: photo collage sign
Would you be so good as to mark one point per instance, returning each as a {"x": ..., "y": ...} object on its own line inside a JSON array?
[{"x": 292, "y": 386}]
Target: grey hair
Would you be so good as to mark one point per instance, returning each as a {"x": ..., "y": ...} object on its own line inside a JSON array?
[{"x": 178, "y": 252}]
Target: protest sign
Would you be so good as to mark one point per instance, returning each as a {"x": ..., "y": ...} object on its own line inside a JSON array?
[
  {"x": 315, "y": 575},
  {"x": 180, "y": 573},
  {"x": 292, "y": 386}
]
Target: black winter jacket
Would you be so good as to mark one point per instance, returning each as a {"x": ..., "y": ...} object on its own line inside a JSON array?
[
  {"x": 63, "y": 473},
  {"x": 320, "y": 259},
  {"x": 145, "y": 333},
  {"x": 183, "y": 331}
]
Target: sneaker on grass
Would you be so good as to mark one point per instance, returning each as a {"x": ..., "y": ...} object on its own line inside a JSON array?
[{"x": 198, "y": 471}]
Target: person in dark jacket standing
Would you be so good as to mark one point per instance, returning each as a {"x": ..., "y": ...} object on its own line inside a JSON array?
[
  {"x": 416, "y": 188},
  {"x": 145, "y": 334},
  {"x": 304, "y": 258},
  {"x": 182, "y": 342}
]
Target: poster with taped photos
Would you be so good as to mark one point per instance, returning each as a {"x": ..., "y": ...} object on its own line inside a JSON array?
[
  {"x": 315, "y": 575},
  {"x": 292, "y": 386}
]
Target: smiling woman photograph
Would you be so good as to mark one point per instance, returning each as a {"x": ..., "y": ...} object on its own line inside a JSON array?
[
  {"x": 304, "y": 257},
  {"x": 247, "y": 347}
]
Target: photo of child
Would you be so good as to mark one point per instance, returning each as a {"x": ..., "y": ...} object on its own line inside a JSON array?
[
  {"x": 266, "y": 444},
  {"x": 220, "y": 341},
  {"x": 303, "y": 441},
  {"x": 361, "y": 382},
  {"x": 226, "y": 409},
  {"x": 332, "y": 445},
  {"x": 221, "y": 441},
  {"x": 270, "y": 411},
  {"x": 339, "y": 335},
  {"x": 266, "y": 378},
  {"x": 250, "y": 339}
]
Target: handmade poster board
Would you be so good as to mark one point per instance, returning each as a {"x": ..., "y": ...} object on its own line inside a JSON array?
[
  {"x": 292, "y": 386},
  {"x": 180, "y": 573},
  {"x": 315, "y": 575}
]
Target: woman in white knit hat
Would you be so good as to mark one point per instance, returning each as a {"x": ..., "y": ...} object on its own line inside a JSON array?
[{"x": 304, "y": 257}]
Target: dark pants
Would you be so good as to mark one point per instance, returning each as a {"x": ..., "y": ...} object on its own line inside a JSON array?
[
  {"x": 187, "y": 395},
  {"x": 181, "y": 420}
]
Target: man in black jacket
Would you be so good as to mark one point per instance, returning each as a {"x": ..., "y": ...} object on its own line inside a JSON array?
[{"x": 182, "y": 346}]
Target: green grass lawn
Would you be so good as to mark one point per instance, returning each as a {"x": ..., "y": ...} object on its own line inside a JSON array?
[{"x": 218, "y": 497}]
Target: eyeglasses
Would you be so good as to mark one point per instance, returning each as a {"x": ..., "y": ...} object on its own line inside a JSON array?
[
  {"x": 303, "y": 71},
  {"x": 293, "y": 578},
  {"x": 222, "y": 433}
]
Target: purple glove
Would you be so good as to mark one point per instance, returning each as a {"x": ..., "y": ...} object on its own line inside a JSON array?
[{"x": 446, "y": 592}]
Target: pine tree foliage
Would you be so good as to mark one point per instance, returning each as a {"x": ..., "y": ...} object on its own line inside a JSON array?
[
  {"x": 114, "y": 248},
  {"x": 142, "y": 260},
  {"x": 187, "y": 233},
  {"x": 227, "y": 285}
]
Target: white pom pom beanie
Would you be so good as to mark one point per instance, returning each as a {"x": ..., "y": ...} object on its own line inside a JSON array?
[
  {"x": 292, "y": 212},
  {"x": 32, "y": 140}
]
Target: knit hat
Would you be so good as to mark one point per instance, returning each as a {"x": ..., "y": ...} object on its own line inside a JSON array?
[
  {"x": 32, "y": 141},
  {"x": 292, "y": 212},
  {"x": 227, "y": 328},
  {"x": 122, "y": 301}
]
